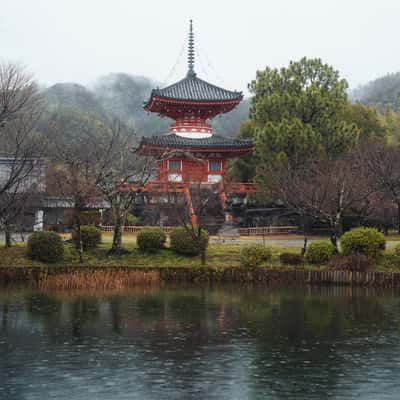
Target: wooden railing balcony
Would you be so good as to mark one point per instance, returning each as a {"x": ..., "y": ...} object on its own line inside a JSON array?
[
  {"x": 240, "y": 187},
  {"x": 168, "y": 187}
]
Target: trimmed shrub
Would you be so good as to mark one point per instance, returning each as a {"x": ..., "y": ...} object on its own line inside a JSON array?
[
  {"x": 319, "y": 252},
  {"x": 252, "y": 256},
  {"x": 182, "y": 242},
  {"x": 131, "y": 220},
  {"x": 356, "y": 262},
  {"x": 392, "y": 260},
  {"x": 291, "y": 259},
  {"x": 90, "y": 235},
  {"x": 367, "y": 241},
  {"x": 396, "y": 252},
  {"x": 151, "y": 240},
  {"x": 45, "y": 246}
]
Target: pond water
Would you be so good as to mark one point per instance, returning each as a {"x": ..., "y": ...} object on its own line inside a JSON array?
[{"x": 200, "y": 343}]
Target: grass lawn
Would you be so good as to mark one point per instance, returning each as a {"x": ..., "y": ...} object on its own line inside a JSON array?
[{"x": 218, "y": 256}]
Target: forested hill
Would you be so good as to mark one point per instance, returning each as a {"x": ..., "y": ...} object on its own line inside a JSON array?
[
  {"x": 121, "y": 96},
  {"x": 381, "y": 93}
]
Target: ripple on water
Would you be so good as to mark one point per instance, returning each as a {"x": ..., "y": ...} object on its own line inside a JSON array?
[{"x": 223, "y": 344}]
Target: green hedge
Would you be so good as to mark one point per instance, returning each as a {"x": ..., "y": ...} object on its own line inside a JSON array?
[
  {"x": 396, "y": 253},
  {"x": 183, "y": 242},
  {"x": 319, "y": 252},
  {"x": 252, "y": 256},
  {"x": 90, "y": 236},
  {"x": 45, "y": 246},
  {"x": 151, "y": 240},
  {"x": 367, "y": 241}
]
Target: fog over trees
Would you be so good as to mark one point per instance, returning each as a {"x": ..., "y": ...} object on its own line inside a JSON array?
[
  {"x": 382, "y": 93},
  {"x": 121, "y": 96}
]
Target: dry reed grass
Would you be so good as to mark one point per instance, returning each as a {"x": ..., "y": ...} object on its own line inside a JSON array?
[
  {"x": 99, "y": 280},
  {"x": 71, "y": 294}
]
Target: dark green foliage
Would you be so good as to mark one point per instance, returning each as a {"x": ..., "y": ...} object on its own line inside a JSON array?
[
  {"x": 368, "y": 121},
  {"x": 254, "y": 255},
  {"x": 90, "y": 236},
  {"x": 298, "y": 112},
  {"x": 151, "y": 240},
  {"x": 392, "y": 260},
  {"x": 291, "y": 259},
  {"x": 243, "y": 169},
  {"x": 396, "y": 252},
  {"x": 367, "y": 241},
  {"x": 352, "y": 262},
  {"x": 319, "y": 252},
  {"x": 45, "y": 246},
  {"x": 184, "y": 241}
]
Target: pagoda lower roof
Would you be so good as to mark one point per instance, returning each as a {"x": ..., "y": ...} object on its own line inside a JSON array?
[
  {"x": 193, "y": 89},
  {"x": 214, "y": 142}
]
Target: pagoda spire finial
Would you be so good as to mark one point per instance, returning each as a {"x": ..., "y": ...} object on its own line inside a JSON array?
[{"x": 191, "y": 73}]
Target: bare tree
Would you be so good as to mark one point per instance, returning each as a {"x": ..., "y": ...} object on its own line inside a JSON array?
[
  {"x": 71, "y": 136},
  {"x": 22, "y": 147},
  {"x": 383, "y": 162},
  {"x": 324, "y": 189},
  {"x": 121, "y": 174},
  {"x": 18, "y": 93},
  {"x": 95, "y": 161}
]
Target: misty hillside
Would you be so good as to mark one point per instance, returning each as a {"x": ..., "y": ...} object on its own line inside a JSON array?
[
  {"x": 382, "y": 92},
  {"x": 121, "y": 96},
  {"x": 72, "y": 95}
]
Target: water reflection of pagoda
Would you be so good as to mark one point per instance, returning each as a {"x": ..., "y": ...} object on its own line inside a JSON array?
[{"x": 198, "y": 155}]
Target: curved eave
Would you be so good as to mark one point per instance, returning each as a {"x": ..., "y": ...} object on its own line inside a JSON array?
[
  {"x": 157, "y": 103},
  {"x": 155, "y": 149}
]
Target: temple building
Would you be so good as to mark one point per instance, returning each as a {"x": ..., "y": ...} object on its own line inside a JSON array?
[{"x": 196, "y": 156}]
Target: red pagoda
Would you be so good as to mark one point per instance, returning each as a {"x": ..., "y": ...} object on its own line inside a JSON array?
[{"x": 198, "y": 155}]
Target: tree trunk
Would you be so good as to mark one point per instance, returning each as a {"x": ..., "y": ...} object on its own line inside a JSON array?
[
  {"x": 398, "y": 218},
  {"x": 333, "y": 239},
  {"x": 78, "y": 244},
  {"x": 203, "y": 257},
  {"x": 304, "y": 248},
  {"x": 117, "y": 235},
  {"x": 336, "y": 230},
  {"x": 7, "y": 234},
  {"x": 202, "y": 246}
]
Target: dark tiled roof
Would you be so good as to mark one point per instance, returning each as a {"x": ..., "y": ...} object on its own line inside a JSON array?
[
  {"x": 195, "y": 89},
  {"x": 214, "y": 141}
]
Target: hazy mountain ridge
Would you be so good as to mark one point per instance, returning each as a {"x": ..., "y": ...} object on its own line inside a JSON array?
[
  {"x": 72, "y": 95},
  {"x": 121, "y": 96},
  {"x": 381, "y": 93}
]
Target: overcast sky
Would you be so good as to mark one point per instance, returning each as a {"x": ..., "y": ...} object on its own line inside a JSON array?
[{"x": 79, "y": 40}]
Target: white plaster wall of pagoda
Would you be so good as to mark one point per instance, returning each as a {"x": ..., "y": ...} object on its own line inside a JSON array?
[
  {"x": 214, "y": 178},
  {"x": 193, "y": 135}
]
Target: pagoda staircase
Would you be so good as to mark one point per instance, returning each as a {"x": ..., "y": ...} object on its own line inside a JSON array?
[
  {"x": 228, "y": 231},
  {"x": 206, "y": 203}
]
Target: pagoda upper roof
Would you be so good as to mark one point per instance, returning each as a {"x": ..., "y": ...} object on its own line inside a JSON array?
[
  {"x": 213, "y": 142},
  {"x": 192, "y": 88}
]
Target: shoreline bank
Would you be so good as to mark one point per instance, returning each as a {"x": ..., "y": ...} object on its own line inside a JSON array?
[{"x": 126, "y": 276}]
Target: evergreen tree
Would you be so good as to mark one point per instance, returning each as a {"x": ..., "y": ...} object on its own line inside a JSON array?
[{"x": 299, "y": 111}]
